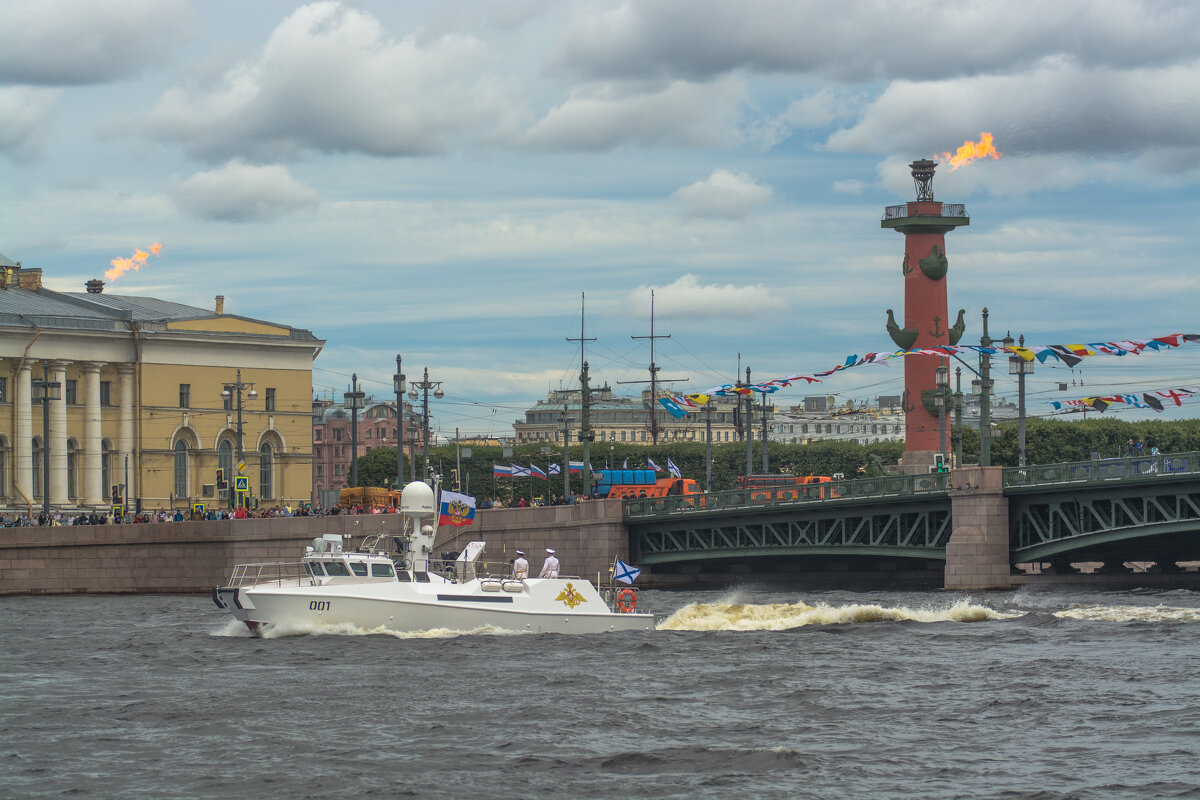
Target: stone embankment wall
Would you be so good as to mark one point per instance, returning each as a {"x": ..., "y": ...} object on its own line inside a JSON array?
[{"x": 186, "y": 557}]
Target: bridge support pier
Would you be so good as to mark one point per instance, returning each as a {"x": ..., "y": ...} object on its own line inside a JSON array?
[{"x": 977, "y": 555}]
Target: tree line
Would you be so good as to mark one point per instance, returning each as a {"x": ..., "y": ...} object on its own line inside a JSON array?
[{"x": 1048, "y": 441}]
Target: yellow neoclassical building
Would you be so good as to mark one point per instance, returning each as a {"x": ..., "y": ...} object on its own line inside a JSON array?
[{"x": 147, "y": 400}]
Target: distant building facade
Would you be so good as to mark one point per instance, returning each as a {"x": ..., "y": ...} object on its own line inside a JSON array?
[
  {"x": 818, "y": 420},
  {"x": 140, "y": 403},
  {"x": 334, "y": 444}
]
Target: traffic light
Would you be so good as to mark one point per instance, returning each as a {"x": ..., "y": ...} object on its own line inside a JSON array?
[
  {"x": 116, "y": 495},
  {"x": 454, "y": 477},
  {"x": 221, "y": 479},
  {"x": 939, "y": 463}
]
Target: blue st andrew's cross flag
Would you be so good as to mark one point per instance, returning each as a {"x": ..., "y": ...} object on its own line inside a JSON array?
[{"x": 625, "y": 573}]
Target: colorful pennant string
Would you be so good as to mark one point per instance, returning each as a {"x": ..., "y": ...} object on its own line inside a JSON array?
[
  {"x": 1156, "y": 400},
  {"x": 1068, "y": 354}
]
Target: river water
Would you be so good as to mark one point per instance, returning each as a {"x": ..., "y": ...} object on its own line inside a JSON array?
[{"x": 1039, "y": 694}]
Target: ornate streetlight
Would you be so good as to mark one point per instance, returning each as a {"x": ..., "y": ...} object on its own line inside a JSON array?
[
  {"x": 941, "y": 380},
  {"x": 424, "y": 386},
  {"x": 1020, "y": 367},
  {"x": 46, "y": 390},
  {"x": 235, "y": 389}
]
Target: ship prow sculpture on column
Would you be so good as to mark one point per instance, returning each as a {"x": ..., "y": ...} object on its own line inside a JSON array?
[{"x": 924, "y": 223}]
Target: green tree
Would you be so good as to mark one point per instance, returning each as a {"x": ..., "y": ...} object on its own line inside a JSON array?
[{"x": 377, "y": 468}]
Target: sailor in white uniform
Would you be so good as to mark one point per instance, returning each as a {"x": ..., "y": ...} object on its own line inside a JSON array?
[
  {"x": 520, "y": 566},
  {"x": 550, "y": 568}
]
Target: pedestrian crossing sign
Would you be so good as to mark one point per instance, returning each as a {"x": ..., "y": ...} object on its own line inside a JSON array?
[{"x": 241, "y": 483}]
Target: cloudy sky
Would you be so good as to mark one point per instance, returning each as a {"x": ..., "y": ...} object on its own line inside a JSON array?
[{"x": 445, "y": 180}]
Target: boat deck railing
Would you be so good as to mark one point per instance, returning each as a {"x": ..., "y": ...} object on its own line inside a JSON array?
[{"x": 281, "y": 573}]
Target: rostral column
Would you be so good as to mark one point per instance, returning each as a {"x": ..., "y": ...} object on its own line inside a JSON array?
[{"x": 924, "y": 223}]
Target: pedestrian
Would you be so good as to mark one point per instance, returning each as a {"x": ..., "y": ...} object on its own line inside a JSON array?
[
  {"x": 520, "y": 566},
  {"x": 550, "y": 566}
]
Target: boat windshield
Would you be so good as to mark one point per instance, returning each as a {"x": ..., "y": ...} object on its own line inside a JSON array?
[
  {"x": 336, "y": 569},
  {"x": 382, "y": 571}
]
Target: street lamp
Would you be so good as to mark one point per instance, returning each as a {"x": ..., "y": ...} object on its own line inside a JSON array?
[
  {"x": 941, "y": 379},
  {"x": 46, "y": 390},
  {"x": 1020, "y": 367},
  {"x": 958, "y": 403},
  {"x": 354, "y": 401},
  {"x": 230, "y": 390},
  {"x": 424, "y": 386},
  {"x": 398, "y": 386}
]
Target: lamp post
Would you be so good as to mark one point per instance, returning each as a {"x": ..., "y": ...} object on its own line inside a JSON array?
[
  {"x": 398, "y": 386},
  {"x": 1020, "y": 367},
  {"x": 985, "y": 396},
  {"x": 46, "y": 390},
  {"x": 354, "y": 401},
  {"x": 234, "y": 390},
  {"x": 941, "y": 380},
  {"x": 958, "y": 403},
  {"x": 424, "y": 386}
]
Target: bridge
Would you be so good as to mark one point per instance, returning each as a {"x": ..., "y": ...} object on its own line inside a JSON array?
[{"x": 969, "y": 526}]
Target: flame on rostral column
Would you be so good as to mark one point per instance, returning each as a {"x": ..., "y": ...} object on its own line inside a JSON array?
[
  {"x": 135, "y": 262},
  {"x": 970, "y": 151}
]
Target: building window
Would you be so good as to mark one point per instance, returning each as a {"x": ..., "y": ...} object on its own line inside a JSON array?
[
  {"x": 368, "y": 433},
  {"x": 227, "y": 402},
  {"x": 72, "y": 394},
  {"x": 317, "y": 435},
  {"x": 337, "y": 434},
  {"x": 3, "y": 390},
  {"x": 106, "y": 393},
  {"x": 181, "y": 461},
  {"x": 270, "y": 399},
  {"x": 105, "y": 466},
  {"x": 37, "y": 467},
  {"x": 72, "y": 469},
  {"x": 265, "y": 469},
  {"x": 185, "y": 395},
  {"x": 317, "y": 452},
  {"x": 320, "y": 470},
  {"x": 225, "y": 459}
]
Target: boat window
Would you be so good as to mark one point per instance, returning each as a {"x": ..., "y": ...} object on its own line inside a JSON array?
[
  {"x": 382, "y": 571},
  {"x": 359, "y": 568},
  {"x": 403, "y": 576},
  {"x": 421, "y": 576},
  {"x": 336, "y": 568},
  {"x": 316, "y": 569}
]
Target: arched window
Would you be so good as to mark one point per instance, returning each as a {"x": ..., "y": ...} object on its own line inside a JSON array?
[
  {"x": 266, "y": 466},
  {"x": 72, "y": 469},
  {"x": 37, "y": 467},
  {"x": 181, "y": 468},
  {"x": 225, "y": 459}
]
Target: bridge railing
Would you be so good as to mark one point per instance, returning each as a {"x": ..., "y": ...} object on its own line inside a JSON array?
[
  {"x": 895, "y": 486},
  {"x": 1103, "y": 470}
]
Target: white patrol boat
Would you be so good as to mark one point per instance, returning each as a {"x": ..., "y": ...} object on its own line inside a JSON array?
[{"x": 370, "y": 589}]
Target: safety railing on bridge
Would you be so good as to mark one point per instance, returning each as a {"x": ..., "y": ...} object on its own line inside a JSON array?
[
  {"x": 1103, "y": 470},
  {"x": 889, "y": 486}
]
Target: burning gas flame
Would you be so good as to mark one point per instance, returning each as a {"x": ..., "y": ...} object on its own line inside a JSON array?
[
  {"x": 135, "y": 262},
  {"x": 971, "y": 151}
]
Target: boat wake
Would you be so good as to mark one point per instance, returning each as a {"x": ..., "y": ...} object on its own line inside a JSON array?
[
  {"x": 1095, "y": 613},
  {"x": 733, "y": 616}
]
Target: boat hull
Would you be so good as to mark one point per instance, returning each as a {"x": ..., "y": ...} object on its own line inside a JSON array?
[{"x": 534, "y": 606}]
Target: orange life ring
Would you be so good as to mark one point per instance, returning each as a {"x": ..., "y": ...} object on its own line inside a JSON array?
[{"x": 626, "y": 600}]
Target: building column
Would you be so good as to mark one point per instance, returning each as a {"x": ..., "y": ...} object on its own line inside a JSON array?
[
  {"x": 22, "y": 445},
  {"x": 125, "y": 432},
  {"x": 58, "y": 436},
  {"x": 93, "y": 492}
]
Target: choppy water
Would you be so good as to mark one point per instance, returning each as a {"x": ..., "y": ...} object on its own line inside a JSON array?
[{"x": 1038, "y": 694}]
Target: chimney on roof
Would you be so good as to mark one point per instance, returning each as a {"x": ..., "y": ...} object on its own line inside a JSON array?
[
  {"x": 220, "y": 304},
  {"x": 95, "y": 286}
]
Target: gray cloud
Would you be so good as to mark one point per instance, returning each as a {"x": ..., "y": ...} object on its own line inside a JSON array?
[
  {"x": 866, "y": 41},
  {"x": 330, "y": 79},
  {"x": 238, "y": 192},
  {"x": 61, "y": 42},
  {"x": 24, "y": 114}
]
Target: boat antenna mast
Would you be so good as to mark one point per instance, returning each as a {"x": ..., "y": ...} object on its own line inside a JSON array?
[{"x": 654, "y": 370}]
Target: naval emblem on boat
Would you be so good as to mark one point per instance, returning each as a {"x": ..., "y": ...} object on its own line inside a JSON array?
[{"x": 570, "y": 597}]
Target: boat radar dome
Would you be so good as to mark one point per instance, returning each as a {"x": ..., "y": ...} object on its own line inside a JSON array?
[{"x": 417, "y": 499}]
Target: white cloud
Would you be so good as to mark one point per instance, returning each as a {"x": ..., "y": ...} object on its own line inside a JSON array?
[
  {"x": 724, "y": 194},
  {"x": 687, "y": 298},
  {"x": 606, "y": 116},
  {"x": 238, "y": 192},
  {"x": 24, "y": 114},
  {"x": 859, "y": 42},
  {"x": 65, "y": 42},
  {"x": 331, "y": 79},
  {"x": 851, "y": 186}
]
